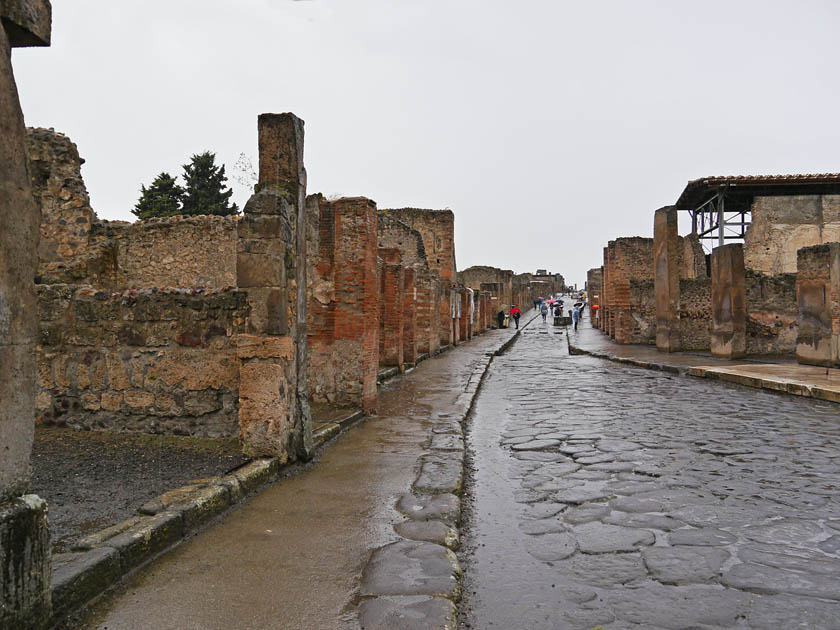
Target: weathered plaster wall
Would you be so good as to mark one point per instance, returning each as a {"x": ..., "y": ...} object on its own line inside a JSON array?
[
  {"x": 394, "y": 234},
  {"x": 772, "y": 313},
  {"x": 140, "y": 361},
  {"x": 818, "y": 293},
  {"x": 782, "y": 225},
  {"x": 642, "y": 312}
]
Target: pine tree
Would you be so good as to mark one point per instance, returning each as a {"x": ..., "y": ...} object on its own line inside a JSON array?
[
  {"x": 161, "y": 199},
  {"x": 205, "y": 187}
]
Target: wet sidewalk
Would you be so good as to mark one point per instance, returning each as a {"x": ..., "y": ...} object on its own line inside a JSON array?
[
  {"x": 293, "y": 556},
  {"x": 776, "y": 374}
]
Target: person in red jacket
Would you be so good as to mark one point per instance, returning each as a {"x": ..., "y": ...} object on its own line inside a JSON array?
[{"x": 515, "y": 313}]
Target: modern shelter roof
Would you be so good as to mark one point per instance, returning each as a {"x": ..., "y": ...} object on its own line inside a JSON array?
[{"x": 697, "y": 191}]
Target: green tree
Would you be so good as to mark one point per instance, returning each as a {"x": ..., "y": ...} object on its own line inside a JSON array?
[
  {"x": 206, "y": 191},
  {"x": 161, "y": 199}
]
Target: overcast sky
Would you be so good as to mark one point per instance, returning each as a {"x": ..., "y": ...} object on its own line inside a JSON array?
[{"x": 548, "y": 127}]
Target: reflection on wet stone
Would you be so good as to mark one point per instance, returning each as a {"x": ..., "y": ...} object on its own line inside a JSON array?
[{"x": 623, "y": 498}]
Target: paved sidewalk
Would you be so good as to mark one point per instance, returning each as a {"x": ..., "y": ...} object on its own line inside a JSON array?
[
  {"x": 772, "y": 373},
  {"x": 293, "y": 556}
]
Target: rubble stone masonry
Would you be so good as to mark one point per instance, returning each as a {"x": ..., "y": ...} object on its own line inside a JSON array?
[
  {"x": 140, "y": 361},
  {"x": 392, "y": 280}
]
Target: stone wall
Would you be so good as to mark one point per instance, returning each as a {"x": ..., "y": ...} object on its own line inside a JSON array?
[
  {"x": 181, "y": 251},
  {"x": 642, "y": 312},
  {"x": 428, "y": 309},
  {"x": 140, "y": 361},
  {"x": 58, "y": 187},
  {"x": 690, "y": 257},
  {"x": 394, "y": 234},
  {"x": 695, "y": 314},
  {"x": 772, "y": 313},
  {"x": 729, "y": 312},
  {"x": 631, "y": 261},
  {"x": 782, "y": 225},
  {"x": 818, "y": 292},
  {"x": 437, "y": 229}
]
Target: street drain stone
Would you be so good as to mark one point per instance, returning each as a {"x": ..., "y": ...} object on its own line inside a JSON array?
[{"x": 412, "y": 568}]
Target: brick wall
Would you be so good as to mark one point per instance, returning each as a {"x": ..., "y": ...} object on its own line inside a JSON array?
[
  {"x": 392, "y": 280},
  {"x": 632, "y": 261},
  {"x": 409, "y": 317},
  {"x": 428, "y": 309},
  {"x": 343, "y": 317},
  {"x": 695, "y": 313},
  {"x": 772, "y": 313},
  {"x": 140, "y": 361},
  {"x": 818, "y": 293}
]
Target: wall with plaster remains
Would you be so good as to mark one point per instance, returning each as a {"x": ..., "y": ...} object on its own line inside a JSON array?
[
  {"x": 782, "y": 225},
  {"x": 772, "y": 313},
  {"x": 695, "y": 314}
]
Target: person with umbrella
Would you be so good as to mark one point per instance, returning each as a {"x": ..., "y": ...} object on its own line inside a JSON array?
[{"x": 515, "y": 313}]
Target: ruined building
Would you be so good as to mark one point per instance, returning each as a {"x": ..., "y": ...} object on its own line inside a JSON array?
[{"x": 773, "y": 294}]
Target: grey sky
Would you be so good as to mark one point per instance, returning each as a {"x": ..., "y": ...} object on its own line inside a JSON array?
[{"x": 548, "y": 127}]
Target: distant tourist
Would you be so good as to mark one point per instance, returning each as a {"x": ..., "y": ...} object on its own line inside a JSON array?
[
  {"x": 544, "y": 310},
  {"x": 500, "y": 317},
  {"x": 516, "y": 314},
  {"x": 576, "y": 316}
]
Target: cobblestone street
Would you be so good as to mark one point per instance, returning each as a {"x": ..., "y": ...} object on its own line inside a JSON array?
[{"x": 615, "y": 497}]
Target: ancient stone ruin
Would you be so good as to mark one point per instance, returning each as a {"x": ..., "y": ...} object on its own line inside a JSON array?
[{"x": 773, "y": 294}]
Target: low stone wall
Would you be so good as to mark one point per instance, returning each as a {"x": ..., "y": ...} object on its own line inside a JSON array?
[
  {"x": 772, "y": 313},
  {"x": 695, "y": 313},
  {"x": 140, "y": 361}
]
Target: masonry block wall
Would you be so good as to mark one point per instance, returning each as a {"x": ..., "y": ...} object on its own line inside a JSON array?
[
  {"x": 642, "y": 324},
  {"x": 780, "y": 226},
  {"x": 343, "y": 317},
  {"x": 392, "y": 281},
  {"x": 140, "y": 361},
  {"x": 437, "y": 228},
  {"x": 818, "y": 292},
  {"x": 729, "y": 313},
  {"x": 772, "y": 313},
  {"x": 465, "y": 330}
]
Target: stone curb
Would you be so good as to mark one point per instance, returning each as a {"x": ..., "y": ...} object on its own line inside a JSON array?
[
  {"x": 433, "y": 511},
  {"x": 100, "y": 560},
  {"x": 783, "y": 386}
]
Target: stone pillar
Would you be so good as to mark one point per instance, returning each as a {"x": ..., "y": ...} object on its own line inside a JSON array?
[
  {"x": 409, "y": 317},
  {"x": 605, "y": 284},
  {"x": 391, "y": 308},
  {"x": 666, "y": 279},
  {"x": 729, "y": 313},
  {"x": 818, "y": 294},
  {"x": 25, "y": 568},
  {"x": 611, "y": 262},
  {"x": 274, "y": 417}
]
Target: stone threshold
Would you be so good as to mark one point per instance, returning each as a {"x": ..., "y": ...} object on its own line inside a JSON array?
[
  {"x": 415, "y": 582},
  {"x": 748, "y": 375}
]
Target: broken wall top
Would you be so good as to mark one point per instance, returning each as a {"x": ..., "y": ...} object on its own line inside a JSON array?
[{"x": 27, "y": 22}]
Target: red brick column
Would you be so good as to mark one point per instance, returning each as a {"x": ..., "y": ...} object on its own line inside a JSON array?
[
  {"x": 356, "y": 319},
  {"x": 391, "y": 308},
  {"x": 409, "y": 318},
  {"x": 612, "y": 314}
]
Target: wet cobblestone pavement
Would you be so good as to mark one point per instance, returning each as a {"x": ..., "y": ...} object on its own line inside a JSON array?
[{"x": 615, "y": 497}]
